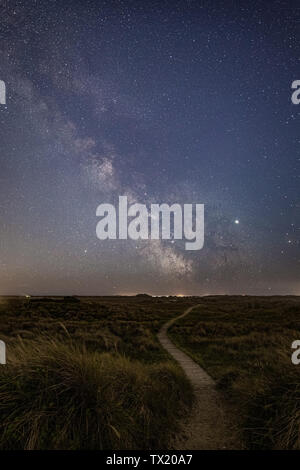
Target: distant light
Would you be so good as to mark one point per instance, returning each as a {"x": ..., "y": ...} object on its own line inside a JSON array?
[{"x": 237, "y": 221}]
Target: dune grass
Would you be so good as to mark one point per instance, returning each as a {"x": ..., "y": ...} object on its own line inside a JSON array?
[
  {"x": 62, "y": 396},
  {"x": 89, "y": 373},
  {"x": 92, "y": 375},
  {"x": 245, "y": 345}
]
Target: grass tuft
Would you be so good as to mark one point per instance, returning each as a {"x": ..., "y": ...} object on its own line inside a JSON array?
[{"x": 62, "y": 396}]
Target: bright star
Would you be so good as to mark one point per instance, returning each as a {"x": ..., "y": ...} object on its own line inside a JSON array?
[{"x": 236, "y": 221}]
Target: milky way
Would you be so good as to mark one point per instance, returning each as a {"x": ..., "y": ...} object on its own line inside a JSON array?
[{"x": 161, "y": 101}]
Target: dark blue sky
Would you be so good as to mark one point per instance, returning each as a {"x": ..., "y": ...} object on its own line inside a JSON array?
[{"x": 164, "y": 101}]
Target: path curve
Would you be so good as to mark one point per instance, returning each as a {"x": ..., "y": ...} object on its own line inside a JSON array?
[{"x": 210, "y": 425}]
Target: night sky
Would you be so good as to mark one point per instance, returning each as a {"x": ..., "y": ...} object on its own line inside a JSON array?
[{"x": 162, "y": 101}]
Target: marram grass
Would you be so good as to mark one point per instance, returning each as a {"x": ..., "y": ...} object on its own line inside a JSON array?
[{"x": 61, "y": 396}]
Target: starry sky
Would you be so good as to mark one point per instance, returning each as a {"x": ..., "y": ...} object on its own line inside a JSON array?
[{"x": 163, "y": 101}]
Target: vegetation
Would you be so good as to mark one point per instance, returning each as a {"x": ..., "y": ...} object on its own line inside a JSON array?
[
  {"x": 89, "y": 374},
  {"x": 55, "y": 396},
  {"x": 245, "y": 344}
]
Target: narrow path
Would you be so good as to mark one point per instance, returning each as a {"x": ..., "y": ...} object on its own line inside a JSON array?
[{"x": 210, "y": 425}]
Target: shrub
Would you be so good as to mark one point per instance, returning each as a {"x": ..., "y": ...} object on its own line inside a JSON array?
[{"x": 57, "y": 396}]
